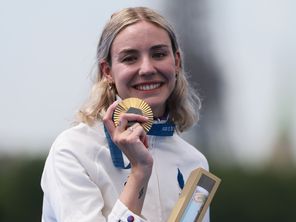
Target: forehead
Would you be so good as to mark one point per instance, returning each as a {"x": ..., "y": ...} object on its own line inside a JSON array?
[{"x": 141, "y": 35}]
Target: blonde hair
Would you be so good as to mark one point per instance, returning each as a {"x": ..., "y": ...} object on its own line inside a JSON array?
[{"x": 183, "y": 104}]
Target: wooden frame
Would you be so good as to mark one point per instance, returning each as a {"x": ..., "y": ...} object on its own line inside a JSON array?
[{"x": 195, "y": 197}]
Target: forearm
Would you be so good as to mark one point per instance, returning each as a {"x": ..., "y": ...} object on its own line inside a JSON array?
[{"x": 133, "y": 194}]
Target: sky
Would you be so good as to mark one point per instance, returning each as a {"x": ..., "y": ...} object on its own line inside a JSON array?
[
  {"x": 255, "y": 49},
  {"x": 47, "y": 59},
  {"x": 47, "y": 55}
]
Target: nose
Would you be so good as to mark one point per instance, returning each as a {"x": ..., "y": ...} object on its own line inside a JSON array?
[{"x": 146, "y": 66}]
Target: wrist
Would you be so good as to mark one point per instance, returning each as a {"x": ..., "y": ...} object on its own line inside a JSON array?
[{"x": 141, "y": 172}]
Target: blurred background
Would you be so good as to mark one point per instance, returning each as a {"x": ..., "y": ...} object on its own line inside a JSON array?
[{"x": 239, "y": 55}]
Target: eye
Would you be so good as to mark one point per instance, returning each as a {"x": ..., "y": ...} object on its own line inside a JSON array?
[
  {"x": 159, "y": 54},
  {"x": 129, "y": 59}
]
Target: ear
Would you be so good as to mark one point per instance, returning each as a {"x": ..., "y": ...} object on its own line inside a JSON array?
[
  {"x": 178, "y": 62},
  {"x": 106, "y": 71}
]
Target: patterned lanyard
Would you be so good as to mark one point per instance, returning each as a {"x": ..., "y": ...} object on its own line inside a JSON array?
[{"x": 157, "y": 129}]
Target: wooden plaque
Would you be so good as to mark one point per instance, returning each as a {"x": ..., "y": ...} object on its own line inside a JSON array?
[{"x": 195, "y": 197}]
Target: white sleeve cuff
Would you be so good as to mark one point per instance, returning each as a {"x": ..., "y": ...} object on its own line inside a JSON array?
[{"x": 120, "y": 213}]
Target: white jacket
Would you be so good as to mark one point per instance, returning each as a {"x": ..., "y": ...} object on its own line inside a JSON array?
[{"x": 81, "y": 184}]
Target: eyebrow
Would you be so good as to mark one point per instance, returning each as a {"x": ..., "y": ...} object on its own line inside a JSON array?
[
  {"x": 159, "y": 46},
  {"x": 131, "y": 51},
  {"x": 127, "y": 51}
]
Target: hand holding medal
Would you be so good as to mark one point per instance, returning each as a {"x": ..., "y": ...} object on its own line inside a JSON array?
[
  {"x": 136, "y": 106},
  {"x": 127, "y": 123}
]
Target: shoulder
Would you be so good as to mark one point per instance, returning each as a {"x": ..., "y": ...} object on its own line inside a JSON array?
[
  {"x": 189, "y": 152},
  {"x": 81, "y": 129},
  {"x": 79, "y": 140}
]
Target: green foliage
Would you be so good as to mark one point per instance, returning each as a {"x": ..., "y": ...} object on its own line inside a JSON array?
[
  {"x": 20, "y": 192},
  {"x": 254, "y": 196},
  {"x": 242, "y": 196}
]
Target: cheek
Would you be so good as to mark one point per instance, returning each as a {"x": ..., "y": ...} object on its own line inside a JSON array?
[
  {"x": 119, "y": 74},
  {"x": 170, "y": 73},
  {"x": 171, "y": 76},
  {"x": 121, "y": 77},
  {"x": 170, "y": 68},
  {"x": 171, "y": 79}
]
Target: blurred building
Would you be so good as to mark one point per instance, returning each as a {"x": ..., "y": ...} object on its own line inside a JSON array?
[{"x": 241, "y": 56}]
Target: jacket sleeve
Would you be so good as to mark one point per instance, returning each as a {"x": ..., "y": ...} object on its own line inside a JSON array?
[
  {"x": 121, "y": 213},
  {"x": 70, "y": 195}
]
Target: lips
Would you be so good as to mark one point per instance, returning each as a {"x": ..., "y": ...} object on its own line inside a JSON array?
[{"x": 147, "y": 86}]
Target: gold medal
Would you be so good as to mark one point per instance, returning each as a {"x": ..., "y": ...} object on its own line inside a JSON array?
[{"x": 137, "y": 106}]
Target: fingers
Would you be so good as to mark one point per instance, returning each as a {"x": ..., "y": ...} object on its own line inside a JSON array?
[
  {"x": 145, "y": 141},
  {"x": 137, "y": 131},
  {"x": 108, "y": 121},
  {"x": 123, "y": 130},
  {"x": 131, "y": 128},
  {"x": 130, "y": 117}
]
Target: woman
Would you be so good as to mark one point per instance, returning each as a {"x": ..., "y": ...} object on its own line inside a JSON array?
[{"x": 97, "y": 171}]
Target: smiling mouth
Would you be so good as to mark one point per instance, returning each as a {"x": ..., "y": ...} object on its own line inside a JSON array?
[{"x": 146, "y": 87}]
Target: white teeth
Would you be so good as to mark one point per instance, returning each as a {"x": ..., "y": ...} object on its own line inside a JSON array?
[{"x": 148, "y": 87}]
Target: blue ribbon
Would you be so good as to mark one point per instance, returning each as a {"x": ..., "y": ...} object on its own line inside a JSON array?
[
  {"x": 157, "y": 129},
  {"x": 162, "y": 129},
  {"x": 116, "y": 153},
  {"x": 180, "y": 179}
]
